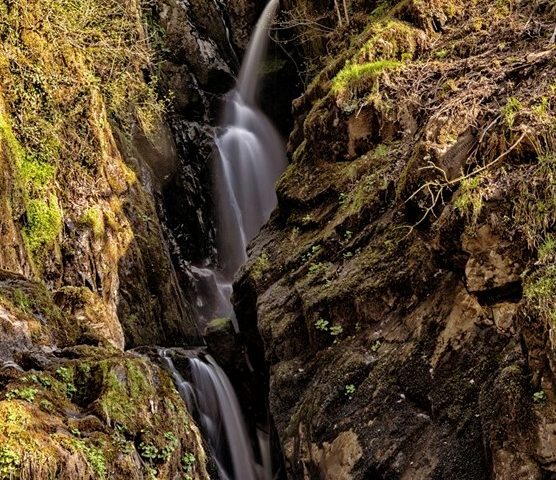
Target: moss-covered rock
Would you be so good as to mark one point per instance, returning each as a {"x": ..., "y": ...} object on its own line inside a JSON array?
[{"x": 99, "y": 415}]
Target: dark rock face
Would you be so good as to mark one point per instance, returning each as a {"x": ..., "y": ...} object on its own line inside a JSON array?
[
  {"x": 198, "y": 66},
  {"x": 402, "y": 302}
]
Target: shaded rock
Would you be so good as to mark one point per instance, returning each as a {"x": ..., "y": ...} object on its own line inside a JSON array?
[
  {"x": 392, "y": 303},
  {"x": 490, "y": 265}
]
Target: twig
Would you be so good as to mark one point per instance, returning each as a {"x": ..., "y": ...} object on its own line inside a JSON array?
[{"x": 447, "y": 183}]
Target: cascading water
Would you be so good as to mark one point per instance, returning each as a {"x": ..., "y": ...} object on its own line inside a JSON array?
[
  {"x": 210, "y": 397},
  {"x": 250, "y": 158}
]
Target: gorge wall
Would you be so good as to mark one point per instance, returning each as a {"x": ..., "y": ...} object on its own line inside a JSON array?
[
  {"x": 398, "y": 307},
  {"x": 403, "y": 292},
  {"x": 104, "y": 108}
]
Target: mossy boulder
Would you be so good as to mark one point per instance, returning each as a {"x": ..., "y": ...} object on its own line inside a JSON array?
[{"x": 99, "y": 415}]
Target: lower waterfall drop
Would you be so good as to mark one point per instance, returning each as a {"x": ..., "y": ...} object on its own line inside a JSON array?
[{"x": 211, "y": 399}]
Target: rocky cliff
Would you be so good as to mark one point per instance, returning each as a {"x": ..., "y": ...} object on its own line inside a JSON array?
[
  {"x": 86, "y": 152},
  {"x": 403, "y": 292}
]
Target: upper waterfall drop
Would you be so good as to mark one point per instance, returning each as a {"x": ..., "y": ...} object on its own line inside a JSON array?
[
  {"x": 248, "y": 81},
  {"x": 249, "y": 159}
]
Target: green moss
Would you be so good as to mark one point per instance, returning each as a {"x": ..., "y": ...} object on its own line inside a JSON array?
[
  {"x": 353, "y": 77},
  {"x": 8, "y": 135},
  {"x": 94, "y": 456},
  {"x": 390, "y": 40},
  {"x": 125, "y": 388},
  {"x": 547, "y": 250},
  {"x": 218, "y": 324},
  {"x": 44, "y": 225},
  {"x": 22, "y": 300},
  {"x": 381, "y": 10},
  {"x": 367, "y": 189},
  {"x": 33, "y": 176},
  {"x": 94, "y": 219},
  {"x": 18, "y": 439},
  {"x": 534, "y": 200},
  {"x": 540, "y": 293},
  {"x": 469, "y": 201}
]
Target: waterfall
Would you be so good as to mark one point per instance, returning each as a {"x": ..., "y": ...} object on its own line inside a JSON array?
[
  {"x": 211, "y": 399},
  {"x": 249, "y": 159}
]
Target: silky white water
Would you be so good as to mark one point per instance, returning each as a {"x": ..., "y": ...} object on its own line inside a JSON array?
[
  {"x": 211, "y": 399},
  {"x": 249, "y": 159}
]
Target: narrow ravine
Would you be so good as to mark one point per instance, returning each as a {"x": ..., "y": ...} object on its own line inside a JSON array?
[{"x": 249, "y": 158}]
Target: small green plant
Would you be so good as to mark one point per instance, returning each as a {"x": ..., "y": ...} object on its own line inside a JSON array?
[
  {"x": 315, "y": 268},
  {"x": 547, "y": 251},
  {"x": 152, "y": 473},
  {"x": 96, "y": 460},
  {"x": 64, "y": 374},
  {"x": 376, "y": 346},
  {"x": 9, "y": 462},
  {"x": 539, "y": 291},
  {"x": 469, "y": 201},
  {"x": 152, "y": 453},
  {"x": 46, "y": 406},
  {"x": 349, "y": 390},
  {"x": 260, "y": 266},
  {"x": 71, "y": 390},
  {"x": 119, "y": 439},
  {"x": 39, "y": 380},
  {"x": 322, "y": 324},
  {"x": 539, "y": 397},
  {"x": 348, "y": 235},
  {"x": 336, "y": 330},
  {"x": 28, "y": 394},
  {"x": 313, "y": 252},
  {"x": 169, "y": 448},
  {"x": 510, "y": 110},
  {"x": 148, "y": 451},
  {"x": 188, "y": 461},
  {"x": 440, "y": 54},
  {"x": 381, "y": 150}
]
